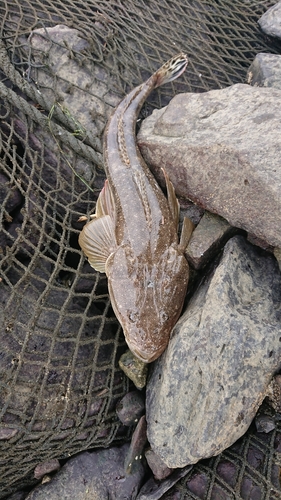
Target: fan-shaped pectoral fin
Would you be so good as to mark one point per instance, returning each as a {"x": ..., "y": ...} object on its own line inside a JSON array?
[
  {"x": 97, "y": 240},
  {"x": 173, "y": 203},
  {"x": 186, "y": 232}
]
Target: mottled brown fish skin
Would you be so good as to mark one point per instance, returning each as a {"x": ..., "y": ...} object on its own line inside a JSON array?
[{"x": 147, "y": 271}]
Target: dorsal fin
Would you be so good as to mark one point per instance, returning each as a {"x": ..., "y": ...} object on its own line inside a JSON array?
[
  {"x": 186, "y": 232},
  {"x": 173, "y": 203},
  {"x": 174, "y": 206}
]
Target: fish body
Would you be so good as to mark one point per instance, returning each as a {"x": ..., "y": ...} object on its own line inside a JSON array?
[{"x": 133, "y": 235}]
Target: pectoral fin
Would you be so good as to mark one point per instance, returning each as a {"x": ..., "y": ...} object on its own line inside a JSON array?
[
  {"x": 97, "y": 240},
  {"x": 173, "y": 203}
]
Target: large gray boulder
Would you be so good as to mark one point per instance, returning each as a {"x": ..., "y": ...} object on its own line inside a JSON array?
[
  {"x": 270, "y": 21},
  {"x": 221, "y": 150},
  {"x": 206, "y": 388}
]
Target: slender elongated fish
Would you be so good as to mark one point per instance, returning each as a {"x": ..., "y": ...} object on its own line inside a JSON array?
[{"x": 133, "y": 234}]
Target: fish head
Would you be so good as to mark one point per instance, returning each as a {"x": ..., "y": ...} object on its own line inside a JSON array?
[{"x": 147, "y": 298}]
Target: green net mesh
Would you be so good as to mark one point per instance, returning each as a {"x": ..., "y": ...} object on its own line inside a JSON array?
[{"x": 63, "y": 67}]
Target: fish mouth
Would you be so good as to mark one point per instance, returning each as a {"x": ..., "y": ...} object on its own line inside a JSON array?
[{"x": 145, "y": 356}]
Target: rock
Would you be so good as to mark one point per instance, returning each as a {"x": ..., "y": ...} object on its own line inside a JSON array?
[
  {"x": 130, "y": 408},
  {"x": 270, "y": 21},
  {"x": 153, "y": 490},
  {"x": 221, "y": 149},
  {"x": 265, "y": 71},
  {"x": 264, "y": 423},
  {"x": 98, "y": 475},
  {"x": 7, "y": 433},
  {"x": 138, "y": 442},
  {"x": 10, "y": 196},
  {"x": 277, "y": 255},
  {"x": 205, "y": 390},
  {"x": 135, "y": 369},
  {"x": 249, "y": 469},
  {"x": 19, "y": 495},
  {"x": 159, "y": 469},
  {"x": 274, "y": 393},
  {"x": 207, "y": 239},
  {"x": 83, "y": 89},
  {"x": 46, "y": 467}
]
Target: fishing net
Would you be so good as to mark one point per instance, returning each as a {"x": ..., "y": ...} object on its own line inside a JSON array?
[
  {"x": 63, "y": 67},
  {"x": 248, "y": 470}
]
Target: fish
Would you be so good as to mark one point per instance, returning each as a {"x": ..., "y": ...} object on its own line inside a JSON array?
[{"x": 133, "y": 235}]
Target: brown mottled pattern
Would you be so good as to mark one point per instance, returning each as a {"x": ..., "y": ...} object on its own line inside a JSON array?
[{"x": 147, "y": 273}]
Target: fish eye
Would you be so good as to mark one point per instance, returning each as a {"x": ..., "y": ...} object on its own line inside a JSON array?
[
  {"x": 163, "y": 316},
  {"x": 133, "y": 316}
]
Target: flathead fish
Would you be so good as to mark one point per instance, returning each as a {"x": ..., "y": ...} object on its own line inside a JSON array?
[{"x": 133, "y": 236}]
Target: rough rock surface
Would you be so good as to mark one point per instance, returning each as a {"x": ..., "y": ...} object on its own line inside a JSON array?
[
  {"x": 131, "y": 408},
  {"x": 265, "y": 71},
  {"x": 87, "y": 101},
  {"x": 221, "y": 149},
  {"x": 270, "y": 21},
  {"x": 98, "y": 475},
  {"x": 157, "y": 466},
  {"x": 205, "y": 390},
  {"x": 207, "y": 239}
]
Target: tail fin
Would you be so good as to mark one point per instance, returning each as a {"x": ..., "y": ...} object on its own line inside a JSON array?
[{"x": 171, "y": 69}]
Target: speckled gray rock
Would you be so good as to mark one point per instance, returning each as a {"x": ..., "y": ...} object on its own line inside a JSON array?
[
  {"x": 205, "y": 390},
  {"x": 98, "y": 475},
  {"x": 265, "y": 71},
  {"x": 221, "y": 149},
  {"x": 270, "y": 21}
]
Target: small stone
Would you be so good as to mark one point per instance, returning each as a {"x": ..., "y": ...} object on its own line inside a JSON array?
[
  {"x": 264, "y": 423},
  {"x": 207, "y": 239},
  {"x": 7, "y": 433},
  {"x": 45, "y": 468},
  {"x": 265, "y": 71},
  {"x": 46, "y": 479},
  {"x": 138, "y": 441},
  {"x": 158, "y": 467},
  {"x": 270, "y": 21},
  {"x": 134, "y": 368},
  {"x": 130, "y": 408}
]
